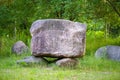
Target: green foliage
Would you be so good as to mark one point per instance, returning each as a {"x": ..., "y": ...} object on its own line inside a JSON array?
[{"x": 98, "y": 14}]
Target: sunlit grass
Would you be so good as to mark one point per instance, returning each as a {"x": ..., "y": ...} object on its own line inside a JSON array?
[
  {"x": 95, "y": 41},
  {"x": 88, "y": 68},
  {"x": 49, "y": 74}
]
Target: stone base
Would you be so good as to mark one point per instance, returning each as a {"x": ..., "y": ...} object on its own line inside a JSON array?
[
  {"x": 67, "y": 62},
  {"x": 64, "y": 62},
  {"x": 32, "y": 60}
]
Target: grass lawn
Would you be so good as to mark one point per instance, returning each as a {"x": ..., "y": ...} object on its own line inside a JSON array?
[{"x": 88, "y": 68}]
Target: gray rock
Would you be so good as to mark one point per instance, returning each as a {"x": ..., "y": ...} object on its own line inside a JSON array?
[
  {"x": 19, "y": 47},
  {"x": 109, "y": 52},
  {"x": 32, "y": 59},
  {"x": 58, "y": 38},
  {"x": 101, "y": 52},
  {"x": 67, "y": 62}
]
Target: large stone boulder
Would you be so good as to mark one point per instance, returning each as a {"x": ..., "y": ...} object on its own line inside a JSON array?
[
  {"x": 58, "y": 38},
  {"x": 109, "y": 52},
  {"x": 19, "y": 48}
]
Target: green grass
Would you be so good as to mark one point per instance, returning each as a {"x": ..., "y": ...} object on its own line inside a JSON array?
[
  {"x": 6, "y": 42},
  {"x": 95, "y": 40},
  {"x": 89, "y": 68},
  {"x": 46, "y": 74}
]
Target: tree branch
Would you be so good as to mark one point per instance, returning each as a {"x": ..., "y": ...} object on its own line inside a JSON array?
[{"x": 114, "y": 8}]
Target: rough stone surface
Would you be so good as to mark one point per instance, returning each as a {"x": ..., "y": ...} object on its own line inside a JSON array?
[
  {"x": 32, "y": 59},
  {"x": 19, "y": 47},
  {"x": 58, "y": 38},
  {"x": 67, "y": 62},
  {"x": 101, "y": 52},
  {"x": 109, "y": 52}
]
